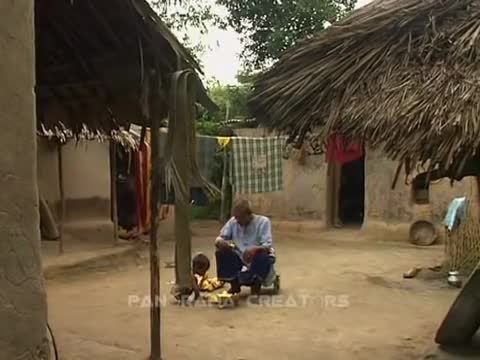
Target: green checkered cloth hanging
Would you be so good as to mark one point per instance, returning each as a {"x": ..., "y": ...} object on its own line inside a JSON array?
[{"x": 257, "y": 164}]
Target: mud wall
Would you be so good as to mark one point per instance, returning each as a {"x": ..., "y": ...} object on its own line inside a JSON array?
[
  {"x": 396, "y": 206},
  {"x": 304, "y": 191},
  {"x": 47, "y": 170},
  {"x": 86, "y": 173},
  {"x": 23, "y": 308}
]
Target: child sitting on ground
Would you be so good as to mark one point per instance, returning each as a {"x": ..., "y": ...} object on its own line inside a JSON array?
[
  {"x": 200, "y": 280},
  {"x": 200, "y": 267}
]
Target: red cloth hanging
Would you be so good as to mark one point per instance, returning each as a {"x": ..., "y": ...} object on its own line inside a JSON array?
[{"x": 340, "y": 152}]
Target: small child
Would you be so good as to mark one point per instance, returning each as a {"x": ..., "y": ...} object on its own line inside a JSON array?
[{"x": 200, "y": 266}]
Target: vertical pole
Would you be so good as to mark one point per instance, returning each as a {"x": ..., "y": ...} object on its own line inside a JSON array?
[
  {"x": 223, "y": 210},
  {"x": 183, "y": 150},
  {"x": 155, "y": 315},
  {"x": 62, "y": 199},
  {"x": 113, "y": 190},
  {"x": 22, "y": 289}
]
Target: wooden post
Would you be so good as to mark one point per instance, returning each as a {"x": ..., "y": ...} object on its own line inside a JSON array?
[
  {"x": 62, "y": 199},
  {"x": 223, "y": 210},
  {"x": 113, "y": 190},
  {"x": 155, "y": 311}
]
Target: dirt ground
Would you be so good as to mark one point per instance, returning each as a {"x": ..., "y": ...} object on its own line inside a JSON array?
[{"x": 343, "y": 297}]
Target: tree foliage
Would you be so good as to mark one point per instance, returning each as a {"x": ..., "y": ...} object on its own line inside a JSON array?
[
  {"x": 183, "y": 16},
  {"x": 231, "y": 98},
  {"x": 232, "y": 102},
  {"x": 269, "y": 27}
]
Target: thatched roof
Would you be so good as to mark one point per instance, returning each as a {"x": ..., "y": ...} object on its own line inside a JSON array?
[
  {"x": 404, "y": 75},
  {"x": 60, "y": 134},
  {"x": 93, "y": 57}
]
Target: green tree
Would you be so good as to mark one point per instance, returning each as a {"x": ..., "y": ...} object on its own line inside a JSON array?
[
  {"x": 231, "y": 99},
  {"x": 269, "y": 27},
  {"x": 186, "y": 16}
]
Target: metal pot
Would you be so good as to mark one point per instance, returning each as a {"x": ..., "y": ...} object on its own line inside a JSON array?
[{"x": 453, "y": 279}]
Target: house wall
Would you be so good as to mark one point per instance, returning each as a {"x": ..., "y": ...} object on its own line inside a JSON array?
[
  {"x": 86, "y": 170},
  {"x": 388, "y": 206},
  {"x": 304, "y": 188},
  {"x": 23, "y": 306},
  {"x": 47, "y": 170},
  {"x": 86, "y": 175}
]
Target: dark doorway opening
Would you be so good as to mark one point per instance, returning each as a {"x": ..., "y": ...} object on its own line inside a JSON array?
[
  {"x": 126, "y": 191},
  {"x": 351, "y": 209}
]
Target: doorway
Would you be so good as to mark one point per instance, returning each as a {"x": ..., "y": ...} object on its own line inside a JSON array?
[
  {"x": 351, "y": 199},
  {"x": 346, "y": 193}
]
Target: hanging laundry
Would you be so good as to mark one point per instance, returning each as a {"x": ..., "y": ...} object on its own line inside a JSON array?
[
  {"x": 257, "y": 165},
  {"x": 455, "y": 213},
  {"x": 142, "y": 172},
  {"x": 341, "y": 152},
  {"x": 223, "y": 141},
  {"x": 205, "y": 151}
]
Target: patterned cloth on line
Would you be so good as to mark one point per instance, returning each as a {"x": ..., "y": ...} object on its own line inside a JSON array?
[{"x": 257, "y": 164}]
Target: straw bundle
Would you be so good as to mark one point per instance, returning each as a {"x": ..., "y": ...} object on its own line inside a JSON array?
[{"x": 404, "y": 75}]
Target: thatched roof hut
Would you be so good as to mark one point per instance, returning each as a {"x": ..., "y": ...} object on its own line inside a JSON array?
[
  {"x": 402, "y": 74},
  {"x": 93, "y": 59}
]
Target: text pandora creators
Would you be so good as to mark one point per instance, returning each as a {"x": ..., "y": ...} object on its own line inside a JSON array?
[{"x": 281, "y": 301}]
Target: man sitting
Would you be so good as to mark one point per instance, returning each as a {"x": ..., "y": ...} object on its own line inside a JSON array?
[{"x": 244, "y": 250}]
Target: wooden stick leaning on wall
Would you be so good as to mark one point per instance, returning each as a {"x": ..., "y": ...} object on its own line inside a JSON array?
[
  {"x": 113, "y": 190},
  {"x": 62, "y": 199},
  {"x": 155, "y": 311}
]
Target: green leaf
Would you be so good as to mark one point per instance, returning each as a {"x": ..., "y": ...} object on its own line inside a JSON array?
[{"x": 269, "y": 27}]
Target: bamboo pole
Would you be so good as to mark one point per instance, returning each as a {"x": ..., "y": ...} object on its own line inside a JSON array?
[
  {"x": 155, "y": 311},
  {"x": 223, "y": 210},
  {"x": 62, "y": 199},
  {"x": 113, "y": 190}
]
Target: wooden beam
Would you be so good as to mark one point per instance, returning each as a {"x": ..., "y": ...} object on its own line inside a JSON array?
[
  {"x": 113, "y": 190},
  {"x": 62, "y": 199},
  {"x": 155, "y": 311}
]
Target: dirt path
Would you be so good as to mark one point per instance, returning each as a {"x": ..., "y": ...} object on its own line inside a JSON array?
[{"x": 343, "y": 298}]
